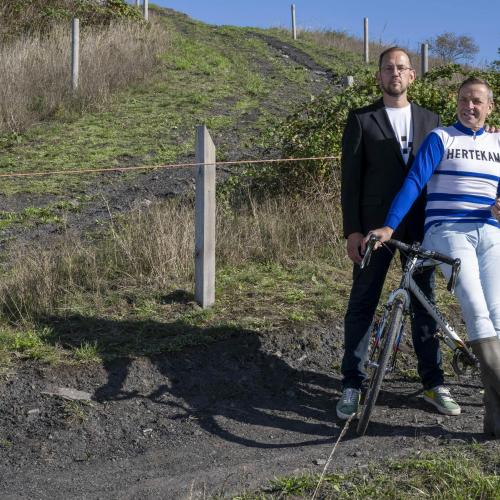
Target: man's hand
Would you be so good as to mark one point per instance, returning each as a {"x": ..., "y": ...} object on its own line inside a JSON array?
[
  {"x": 495, "y": 209},
  {"x": 354, "y": 242},
  {"x": 491, "y": 129},
  {"x": 383, "y": 234}
]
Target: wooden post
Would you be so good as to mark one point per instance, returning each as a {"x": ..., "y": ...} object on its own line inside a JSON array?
[
  {"x": 294, "y": 25},
  {"x": 137, "y": 3},
  {"x": 146, "y": 10},
  {"x": 204, "y": 288},
  {"x": 348, "y": 81},
  {"x": 424, "y": 59},
  {"x": 75, "y": 53},
  {"x": 367, "y": 53}
]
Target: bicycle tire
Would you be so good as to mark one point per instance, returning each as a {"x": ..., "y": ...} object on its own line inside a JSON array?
[{"x": 392, "y": 328}]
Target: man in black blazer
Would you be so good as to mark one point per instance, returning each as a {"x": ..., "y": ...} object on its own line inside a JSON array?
[{"x": 378, "y": 148}]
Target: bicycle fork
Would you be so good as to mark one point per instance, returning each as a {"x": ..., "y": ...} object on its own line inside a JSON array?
[{"x": 372, "y": 362}]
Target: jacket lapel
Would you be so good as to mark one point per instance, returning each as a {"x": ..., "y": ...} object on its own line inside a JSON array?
[
  {"x": 418, "y": 128},
  {"x": 382, "y": 120}
]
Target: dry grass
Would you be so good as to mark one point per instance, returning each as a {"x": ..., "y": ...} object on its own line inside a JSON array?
[
  {"x": 153, "y": 249},
  {"x": 35, "y": 82},
  {"x": 343, "y": 42}
]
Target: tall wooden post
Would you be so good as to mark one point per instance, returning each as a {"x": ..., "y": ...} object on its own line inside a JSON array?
[
  {"x": 366, "y": 43},
  {"x": 294, "y": 24},
  {"x": 424, "y": 59},
  {"x": 75, "y": 53},
  {"x": 204, "y": 289},
  {"x": 146, "y": 10}
]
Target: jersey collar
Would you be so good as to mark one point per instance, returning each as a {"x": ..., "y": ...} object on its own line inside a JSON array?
[{"x": 467, "y": 130}]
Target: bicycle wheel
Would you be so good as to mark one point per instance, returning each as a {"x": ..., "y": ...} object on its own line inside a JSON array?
[{"x": 391, "y": 329}]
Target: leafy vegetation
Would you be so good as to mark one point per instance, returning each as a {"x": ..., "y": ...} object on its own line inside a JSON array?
[
  {"x": 18, "y": 17},
  {"x": 315, "y": 130}
]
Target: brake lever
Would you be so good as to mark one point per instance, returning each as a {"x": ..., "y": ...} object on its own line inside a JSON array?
[
  {"x": 368, "y": 251},
  {"x": 455, "y": 269}
]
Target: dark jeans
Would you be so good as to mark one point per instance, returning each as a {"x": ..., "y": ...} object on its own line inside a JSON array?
[{"x": 365, "y": 294}]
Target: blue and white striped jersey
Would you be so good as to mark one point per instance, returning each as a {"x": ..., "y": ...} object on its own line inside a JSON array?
[{"x": 462, "y": 172}]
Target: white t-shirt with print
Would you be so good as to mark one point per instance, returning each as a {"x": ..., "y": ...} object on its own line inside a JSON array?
[{"x": 400, "y": 119}]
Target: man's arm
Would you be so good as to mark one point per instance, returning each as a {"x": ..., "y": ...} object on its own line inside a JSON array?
[
  {"x": 428, "y": 158},
  {"x": 495, "y": 209},
  {"x": 352, "y": 157}
]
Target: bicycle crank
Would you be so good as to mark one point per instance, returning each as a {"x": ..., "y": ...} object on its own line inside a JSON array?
[{"x": 463, "y": 361}]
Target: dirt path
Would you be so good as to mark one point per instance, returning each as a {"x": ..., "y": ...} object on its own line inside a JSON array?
[{"x": 222, "y": 419}]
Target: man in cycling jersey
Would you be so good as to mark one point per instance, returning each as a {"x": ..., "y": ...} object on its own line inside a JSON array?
[{"x": 460, "y": 165}]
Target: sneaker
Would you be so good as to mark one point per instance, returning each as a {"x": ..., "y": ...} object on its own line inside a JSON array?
[
  {"x": 440, "y": 397},
  {"x": 348, "y": 403}
]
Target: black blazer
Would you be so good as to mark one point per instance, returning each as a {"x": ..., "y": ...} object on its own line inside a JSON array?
[{"x": 373, "y": 169}]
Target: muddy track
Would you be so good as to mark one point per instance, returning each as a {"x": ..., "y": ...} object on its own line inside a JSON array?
[
  {"x": 217, "y": 420},
  {"x": 299, "y": 57}
]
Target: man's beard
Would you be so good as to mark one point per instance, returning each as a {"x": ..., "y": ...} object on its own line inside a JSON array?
[{"x": 392, "y": 92}]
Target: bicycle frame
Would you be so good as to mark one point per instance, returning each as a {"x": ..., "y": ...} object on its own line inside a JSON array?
[
  {"x": 448, "y": 335},
  {"x": 390, "y": 330}
]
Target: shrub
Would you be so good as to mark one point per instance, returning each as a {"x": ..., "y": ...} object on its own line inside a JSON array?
[
  {"x": 18, "y": 17},
  {"x": 315, "y": 129}
]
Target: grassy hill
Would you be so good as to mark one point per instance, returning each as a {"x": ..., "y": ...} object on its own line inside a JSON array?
[
  {"x": 239, "y": 82},
  {"x": 90, "y": 248}
]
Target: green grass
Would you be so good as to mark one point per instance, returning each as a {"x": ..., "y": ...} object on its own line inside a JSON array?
[
  {"x": 148, "y": 123},
  {"x": 52, "y": 213},
  {"x": 458, "y": 473},
  {"x": 255, "y": 297}
]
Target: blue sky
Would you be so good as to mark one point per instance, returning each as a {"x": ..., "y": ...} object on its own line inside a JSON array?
[{"x": 392, "y": 21}]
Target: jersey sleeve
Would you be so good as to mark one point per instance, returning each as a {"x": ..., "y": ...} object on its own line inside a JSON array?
[{"x": 428, "y": 158}]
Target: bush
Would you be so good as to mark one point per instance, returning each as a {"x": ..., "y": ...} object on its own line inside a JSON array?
[
  {"x": 315, "y": 130},
  {"x": 18, "y": 17}
]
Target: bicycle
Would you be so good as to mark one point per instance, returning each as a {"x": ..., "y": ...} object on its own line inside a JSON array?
[{"x": 388, "y": 333}]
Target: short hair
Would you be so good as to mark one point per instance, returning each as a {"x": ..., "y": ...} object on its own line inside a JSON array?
[
  {"x": 392, "y": 49},
  {"x": 474, "y": 80}
]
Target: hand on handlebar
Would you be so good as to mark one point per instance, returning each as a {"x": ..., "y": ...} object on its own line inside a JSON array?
[{"x": 382, "y": 234}]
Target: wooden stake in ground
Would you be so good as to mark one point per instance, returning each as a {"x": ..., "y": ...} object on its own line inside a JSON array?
[
  {"x": 204, "y": 290},
  {"x": 75, "y": 53},
  {"x": 424, "y": 59},
  {"x": 366, "y": 44}
]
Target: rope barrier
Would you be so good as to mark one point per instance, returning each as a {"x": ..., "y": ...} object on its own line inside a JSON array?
[
  {"x": 341, "y": 435},
  {"x": 154, "y": 167}
]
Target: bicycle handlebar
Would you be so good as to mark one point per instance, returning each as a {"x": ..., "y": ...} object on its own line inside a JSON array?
[{"x": 417, "y": 251}]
